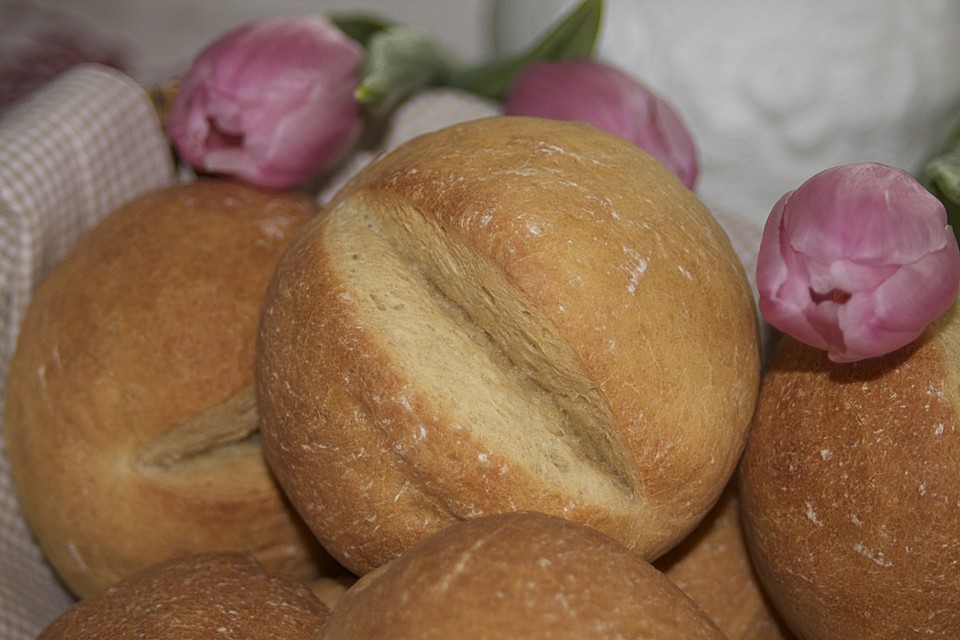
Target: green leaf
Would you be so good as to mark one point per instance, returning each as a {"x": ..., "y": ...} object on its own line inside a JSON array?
[
  {"x": 573, "y": 36},
  {"x": 361, "y": 28},
  {"x": 944, "y": 172},
  {"x": 941, "y": 176},
  {"x": 945, "y": 187},
  {"x": 399, "y": 61}
]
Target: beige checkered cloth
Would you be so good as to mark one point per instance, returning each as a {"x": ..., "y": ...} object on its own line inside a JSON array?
[{"x": 81, "y": 147}]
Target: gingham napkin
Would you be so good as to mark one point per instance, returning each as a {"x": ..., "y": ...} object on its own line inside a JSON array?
[
  {"x": 69, "y": 153},
  {"x": 81, "y": 147}
]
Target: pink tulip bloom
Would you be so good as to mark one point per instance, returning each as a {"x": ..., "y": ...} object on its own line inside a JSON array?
[
  {"x": 857, "y": 261},
  {"x": 271, "y": 103},
  {"x": 593, "y": 92}
]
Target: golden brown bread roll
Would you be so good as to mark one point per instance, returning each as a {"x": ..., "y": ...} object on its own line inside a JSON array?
[
  {"x": 507, "y": 314},
  {"x": 129, "y": 414},
  {"x": 196, "y": 597},
  {"x": 517, "y": 575},
  {"x": 850, "y": 488},
  {"x": 713, "y": 567}
]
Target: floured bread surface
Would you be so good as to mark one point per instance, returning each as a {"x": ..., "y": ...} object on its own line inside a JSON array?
[
  {"x": 516, "y": 576},
  {"x": 196, "y": 597},
  {"x": 504, "y": 315},
  {"x": 852, "y": 470},
  {"x": 130, "y": 417}
]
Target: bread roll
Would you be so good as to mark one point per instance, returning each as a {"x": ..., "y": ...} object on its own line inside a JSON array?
[
  {"x": 851, "y": 490},
  {"x": 196, "y": 597},
  {"x": 503, "y": 315},
  {"x": 517, "y": 575},
  {"x": 712, "y": 566},
  {"x": 130, "y": 418}
]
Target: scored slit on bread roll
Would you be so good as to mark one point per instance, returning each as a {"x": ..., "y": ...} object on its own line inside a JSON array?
[
  {"x": 507, "y": 314},
  {"x": 130, "y": 417}
]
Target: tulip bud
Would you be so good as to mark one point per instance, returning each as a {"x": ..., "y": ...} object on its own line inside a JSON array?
[
  {"x": 857, "y": 261},
  {"x": 603, "y": 96},
  {"x": 271, "y": 103}
]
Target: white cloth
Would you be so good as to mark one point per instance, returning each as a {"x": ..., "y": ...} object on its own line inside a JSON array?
[{"x": 76, "y": 150}]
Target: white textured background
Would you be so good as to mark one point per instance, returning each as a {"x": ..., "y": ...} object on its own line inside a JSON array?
[{"x": 166, "y": 33}]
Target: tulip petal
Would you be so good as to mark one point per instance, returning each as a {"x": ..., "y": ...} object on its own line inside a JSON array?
[
  {"x": 852, "y": 276},
  {"x": 271, "y": 102},
  {"x": 896, "y": 312},
  {"x": 824, "y": 319},
  {"x": 870, "y": 212},
  {"x": 784, "y": 295},
  {"x": 864, "y": 335},
  {"x": 771, "y": 265},
  {"x": 304, "y": 137},
  {"x": 918, "y": 292},
  {"x": 857, "y": 261},
  {"x": 593, "y": 92}
]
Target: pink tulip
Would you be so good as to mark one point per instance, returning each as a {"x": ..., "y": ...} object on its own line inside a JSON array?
[
  {"x": 593, "y": 92},
  {"x": 857, "y": 261},
  {"x": 271, "y": 103}
]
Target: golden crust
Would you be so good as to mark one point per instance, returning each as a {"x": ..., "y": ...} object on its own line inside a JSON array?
[
  {"x": 129, "y": 413},
  {"x": 507, "y": 314},
  {"x": 849, "y": 485},
  {"x": 196, "y": 597},
  {"x": 517, "y": 575},
  {"x": 712, "y": 566}
]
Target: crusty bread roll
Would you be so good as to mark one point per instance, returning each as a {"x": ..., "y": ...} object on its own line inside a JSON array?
[
  {"x": 507, "y": 314},
  {"x": 713, "y": 567},
  {"x": 850, "y": 489},
  {"x": 196, "y": 597},
  {"x": 130, "y": 416},
  {"x": 517, "y": 575}
]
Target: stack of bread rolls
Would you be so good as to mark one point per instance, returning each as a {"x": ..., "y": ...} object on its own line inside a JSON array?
[{"x": 506, "y": 371}]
